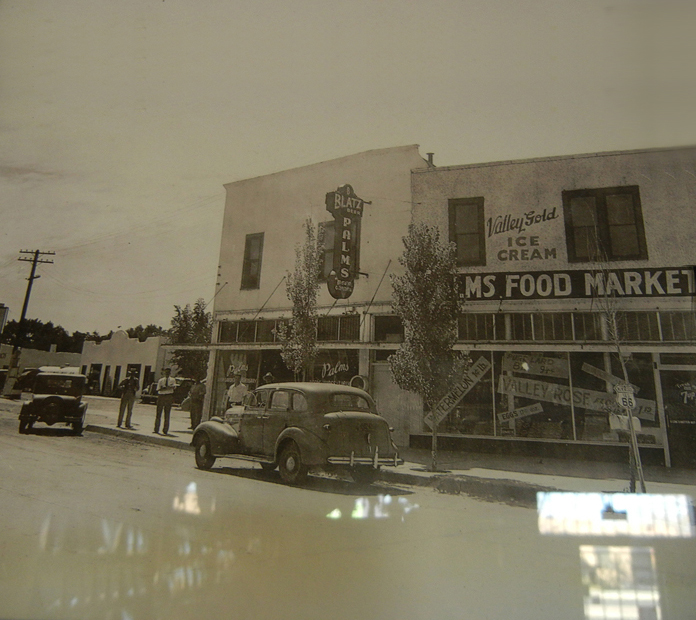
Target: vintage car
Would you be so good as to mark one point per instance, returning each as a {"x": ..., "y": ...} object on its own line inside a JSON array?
[
  {"x": 299, "y": 427},
  {"x": 53, "y": 396}
]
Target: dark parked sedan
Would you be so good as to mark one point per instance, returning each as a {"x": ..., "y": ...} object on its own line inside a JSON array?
[{"x": 299, "y": 427}]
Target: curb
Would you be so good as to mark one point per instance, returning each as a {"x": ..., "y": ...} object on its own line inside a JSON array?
[
  {"x": 511, "y": 492},
  {"x": 155, "y": 440}
]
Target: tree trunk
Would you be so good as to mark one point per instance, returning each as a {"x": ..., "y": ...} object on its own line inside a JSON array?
[{"x": 433, "y": 449}]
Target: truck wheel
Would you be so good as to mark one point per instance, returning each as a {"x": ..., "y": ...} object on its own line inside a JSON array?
[
  {"x": 204, "y": 455},
  {"x": 364, "y": 475},
  {"x": 292, "y": 470}
]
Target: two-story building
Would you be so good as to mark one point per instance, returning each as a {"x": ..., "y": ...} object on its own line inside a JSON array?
[
  {"x": 552, "y": 253},
  {"x": 363, "y": 204}
]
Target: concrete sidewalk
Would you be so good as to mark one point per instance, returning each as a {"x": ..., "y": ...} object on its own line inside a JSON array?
[{"x": 515, "y": 479}]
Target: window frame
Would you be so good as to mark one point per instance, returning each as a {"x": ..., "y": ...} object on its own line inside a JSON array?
[
  {"x": 478, "y": 203},
  {"x": 603, "y": 225},
  {"x": 250, "y": 282}
]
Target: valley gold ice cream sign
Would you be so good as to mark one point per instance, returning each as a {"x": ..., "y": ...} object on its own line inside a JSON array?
[{"x": 347, "y": 210}]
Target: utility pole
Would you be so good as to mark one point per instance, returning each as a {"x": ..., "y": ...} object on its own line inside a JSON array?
[{"x": 13, "y": 368}]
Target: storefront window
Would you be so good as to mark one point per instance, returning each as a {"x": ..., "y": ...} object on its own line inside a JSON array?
[
  {"x": 533, "y": 395},
  {"x": 474, "y": 414}
]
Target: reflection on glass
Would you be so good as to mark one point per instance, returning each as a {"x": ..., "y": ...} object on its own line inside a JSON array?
[
  {"x": 620, "y": 583},
  {"x": 615, "y": 514},
  {"x": 383, "y": 507}
]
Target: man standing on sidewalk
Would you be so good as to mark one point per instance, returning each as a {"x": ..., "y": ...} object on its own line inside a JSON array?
[
  {"x": 165, "y": 399},
  {"x": 197, "y": 396},
  {"x": 128, "y": 387}
]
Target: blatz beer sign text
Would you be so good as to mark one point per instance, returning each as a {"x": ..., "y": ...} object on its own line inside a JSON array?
[{"x": 347, "y": 210}]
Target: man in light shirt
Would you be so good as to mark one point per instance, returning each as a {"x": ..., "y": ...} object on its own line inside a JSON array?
[
  {"x": 237, "y": 391},
  {"x": 165, "y": 400}
]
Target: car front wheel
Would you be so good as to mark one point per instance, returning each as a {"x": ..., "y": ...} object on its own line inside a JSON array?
[
  {"x": 204, "y": 455},
  {"x": 25, "y": 426},
  {"x": 292, "y": 470}
]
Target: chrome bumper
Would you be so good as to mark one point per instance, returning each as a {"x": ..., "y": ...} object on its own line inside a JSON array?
[{"x": 375, "y": 460}]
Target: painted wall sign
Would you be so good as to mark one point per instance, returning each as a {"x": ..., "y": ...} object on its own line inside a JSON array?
[
  {"x": 584, "y": 283},
  {"x": 508, "y": 223},
  {"x": 347, "y": 210},
  {"x": 535, "y": 365},
  {"x": 479, "y": 368},
  {"x": 563, "y": 395},
  {"x": 522, "y": 412},
  {"x": 525, "y": 248}
]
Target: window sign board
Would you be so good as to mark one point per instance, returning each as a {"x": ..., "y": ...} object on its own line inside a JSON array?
[
  {"x": 522, "y": 412},
  {"x": 478, "y": 369},
  {"x": 535, "y": 365},
  {"x": 605, "y": 376},
  {"x": 563, "y": 395}
]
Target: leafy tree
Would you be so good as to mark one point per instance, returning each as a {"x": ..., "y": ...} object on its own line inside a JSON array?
[
  {"x": 35, "y": 334},
  {"x": 191, "y": 326},
  {"x": 143, "y": 333},
  {"x": 299, "y": 335},
  {"x": 425, "y": 298}
]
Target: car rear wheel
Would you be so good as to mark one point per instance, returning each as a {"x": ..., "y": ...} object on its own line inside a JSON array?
[
  {"x": 292, "y": 470},
  {"x": 364, "y": 475},
  {"x": 204, "y": 454}
]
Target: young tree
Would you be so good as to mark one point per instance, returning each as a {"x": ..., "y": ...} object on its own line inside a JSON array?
[
  {"x": 425, "y": 298},
  {"x": 191, "y": 326},
  {"x": 299, "y": 335}
]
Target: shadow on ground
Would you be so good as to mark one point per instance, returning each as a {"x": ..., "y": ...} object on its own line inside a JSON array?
[{"x": 318, "y": 483}]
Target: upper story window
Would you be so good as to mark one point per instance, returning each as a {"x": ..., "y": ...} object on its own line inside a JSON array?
[
  {"x": 253, "y": 251},
  {"x": 466, "y": 230},
  {"x": 604, "y": 224}
]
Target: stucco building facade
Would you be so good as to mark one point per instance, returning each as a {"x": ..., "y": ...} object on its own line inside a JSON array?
[{"x": 549, "y": 250}]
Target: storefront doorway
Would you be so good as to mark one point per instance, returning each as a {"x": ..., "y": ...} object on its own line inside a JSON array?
[{"x": 679, "y": 398}]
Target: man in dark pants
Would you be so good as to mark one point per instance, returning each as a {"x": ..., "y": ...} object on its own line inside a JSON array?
[
  {"x": 197, "y": 396},
  {"x": 165, "y": 400},
  {"x": 129, "y": 387}
]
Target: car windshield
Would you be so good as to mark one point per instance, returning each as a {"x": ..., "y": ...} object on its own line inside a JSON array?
[
  {"x": 64, "y": 385},
  {"x": 349, "y": 401}
]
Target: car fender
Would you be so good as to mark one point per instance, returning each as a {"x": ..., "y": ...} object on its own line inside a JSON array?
[
  {"x": 312, "y": 449},
  {"x": 223, "y": 438}
]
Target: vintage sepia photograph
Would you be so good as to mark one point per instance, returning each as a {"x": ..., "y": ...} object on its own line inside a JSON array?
[{"x": 348, "y": 310}]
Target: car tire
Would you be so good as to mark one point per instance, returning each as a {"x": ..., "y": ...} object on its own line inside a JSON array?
[
  {"x": 77, "y": 427},
  {"x": 364, "y": 475},
  {"x": 268, "y": 466},
  {"x": 204, "y": 453},
  {"x": 25, "y": 426},
  {"x": 292, "y": 469}
]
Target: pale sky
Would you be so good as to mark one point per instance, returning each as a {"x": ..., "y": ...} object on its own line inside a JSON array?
[{"x": 120, "y": 121}]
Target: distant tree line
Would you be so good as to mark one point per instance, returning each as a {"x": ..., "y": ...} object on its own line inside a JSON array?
[{"x": 39, "y": 335}]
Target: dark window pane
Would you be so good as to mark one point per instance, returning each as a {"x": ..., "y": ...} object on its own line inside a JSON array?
[
  {"x": 584, "y": 211},
  {"x": 475, "y": 327},
  {"x": 388, "y": 329},
  {"x": 466, "y": 230},
  {"x": 520, "y": 327},
  {"x": 678, "y": 326},
  {"x": 349, "y": 328},
  {"x": 228, "y": 331},
  {"x": 251, "y": 270},
  {"x": 553, "y": 326},
  {"x": 327, "y": 328},
  {"x": 265, "y": 331},
  {"x": 247, "y": 331}
]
